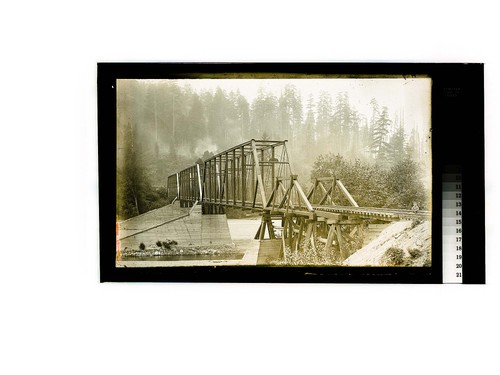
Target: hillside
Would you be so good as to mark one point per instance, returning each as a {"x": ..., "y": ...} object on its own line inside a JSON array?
[{"x": 404, "y": 243}]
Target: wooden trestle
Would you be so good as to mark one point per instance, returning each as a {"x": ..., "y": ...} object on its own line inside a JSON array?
[{"x": 256, "y": 175}]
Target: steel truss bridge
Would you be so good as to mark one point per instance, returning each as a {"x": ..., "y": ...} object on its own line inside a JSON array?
[{"x": 256, "y": 175}]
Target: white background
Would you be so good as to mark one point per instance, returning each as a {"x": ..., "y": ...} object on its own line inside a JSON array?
[{"x": 56, "y": 318}]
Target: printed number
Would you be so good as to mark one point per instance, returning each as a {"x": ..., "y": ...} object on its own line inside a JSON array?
[
  {"x": 458, "y": 186},
  {"x": 459, "y": 221},
  {"x": 459, "y": 266},
  {"x": 459, "y": 248},
  {"x": 459, "y": 239},
  {"x": 458, "y": 177},
  {"x": 459, "y": 195},
  {"x": 459, "y": 274},
  {"x": 459, "y": 204},
  {"x": 459, "y": 256},
  {"x": 459, "y": 213},
  {"x": 459, "y": 230}
]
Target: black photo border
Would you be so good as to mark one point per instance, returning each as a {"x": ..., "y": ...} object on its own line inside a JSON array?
[{"x": 457, "y": 139}]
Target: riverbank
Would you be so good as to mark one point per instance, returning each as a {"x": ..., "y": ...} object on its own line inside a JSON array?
[{"x": 241, "y": 250}]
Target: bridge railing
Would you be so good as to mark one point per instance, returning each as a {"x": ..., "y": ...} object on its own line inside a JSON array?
[
  {"x": 173, "y": 186},
  {"x": 190, "y": 190},
  {"x": 186, "y": 185}
]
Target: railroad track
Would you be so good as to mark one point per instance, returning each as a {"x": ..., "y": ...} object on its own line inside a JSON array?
[
  {"x": 390, "y": 214},
  {"x": 373, "y": 212}
]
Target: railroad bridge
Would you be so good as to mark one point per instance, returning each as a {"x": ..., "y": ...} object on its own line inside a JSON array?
[{"x": 256, "y": 175}]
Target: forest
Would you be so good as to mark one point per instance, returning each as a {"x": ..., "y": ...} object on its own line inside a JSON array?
[{"x": 163, "y": 127}]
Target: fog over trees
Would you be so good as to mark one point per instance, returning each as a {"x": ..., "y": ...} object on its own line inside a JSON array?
[{"x": 164, "y": 126}]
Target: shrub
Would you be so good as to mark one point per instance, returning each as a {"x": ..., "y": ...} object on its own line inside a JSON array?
[
  {"x": 307, "y": 256},
  {"x": 142, "y": 246},
  {"x": 415, "y": 222},
  {"x": 374, "y": 185},
  {"x": 415, "y": 253},
  {"x": 158, "y": 243},
  {"x": 394, "y": 256},
  {"x": 168, "y": 243}
]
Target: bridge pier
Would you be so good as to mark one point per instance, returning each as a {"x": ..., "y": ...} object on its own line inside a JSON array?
[
  {"x": 266, "y": 223},
  {"x": 186, "y": 203},
  {"x": 212, "y": 209}
]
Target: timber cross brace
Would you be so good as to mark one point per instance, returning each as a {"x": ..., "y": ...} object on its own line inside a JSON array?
[{"x": 256, "y": 175}]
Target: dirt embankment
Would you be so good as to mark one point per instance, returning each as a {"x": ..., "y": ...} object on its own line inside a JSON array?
[{"x": 404, "y": 243}]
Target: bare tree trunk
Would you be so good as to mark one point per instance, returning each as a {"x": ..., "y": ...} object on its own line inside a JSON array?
[{"x": 135, "y": 200}]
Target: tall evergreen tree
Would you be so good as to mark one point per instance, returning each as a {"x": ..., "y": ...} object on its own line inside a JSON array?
[
  {"x": 342, "y": 122},
  {"x": 291, "y": 112},
  {"x": 324, "y": 111},
  {"x": 355, "y": 140},
  {"x": 413, "y": 146},
  {"x": 206, "y": 99},
  {"x": 218, "y": 118},
  {"x": 238, "y": 117},
  {"x": 380, "y": 131},
  {"x": 396, "y": 147},
  {"x": 243, "y": 112},
  {"x": 375, "y": 112},
  {"x": 264, "y": 115},
  {"x": 309, "y": 125},
  {"x": 195, "y": 121},
  {"x": 132, "y": 185}
]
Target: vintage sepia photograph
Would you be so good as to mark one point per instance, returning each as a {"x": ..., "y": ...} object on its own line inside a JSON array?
[{"x": 277, "y": 172}]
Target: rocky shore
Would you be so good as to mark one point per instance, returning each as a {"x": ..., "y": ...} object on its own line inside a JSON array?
[{"x": 155, "y": 250}]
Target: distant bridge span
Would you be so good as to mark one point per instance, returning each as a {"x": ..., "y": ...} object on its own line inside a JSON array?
[{"x": 256, "y": 175}]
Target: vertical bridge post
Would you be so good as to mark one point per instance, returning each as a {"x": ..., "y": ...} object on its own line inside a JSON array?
[{"x": 258, "y": 173}]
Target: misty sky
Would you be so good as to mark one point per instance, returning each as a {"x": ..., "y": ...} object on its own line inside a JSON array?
[{"x": 413, "y": 95}]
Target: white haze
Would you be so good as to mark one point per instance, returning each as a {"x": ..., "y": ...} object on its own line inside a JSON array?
[{"x": 410, "y": 97}]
